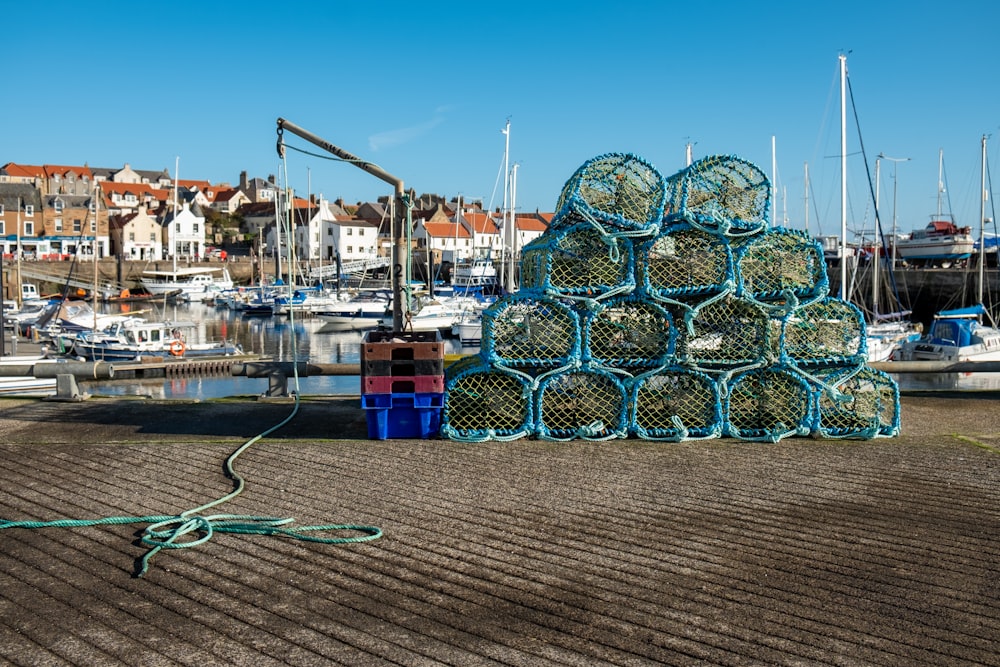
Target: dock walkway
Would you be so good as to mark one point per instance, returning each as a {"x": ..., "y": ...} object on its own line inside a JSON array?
[{"x": 804, "y": 552}]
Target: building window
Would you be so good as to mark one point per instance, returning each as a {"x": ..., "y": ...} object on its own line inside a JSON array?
[
  {"x": 131, "y": 237},
  {"x": 29, "y": 210},
  {"x": 194, "y": 228},
  {"x": 29, "y": 228},
  {"x": 152, "y": 236},
  {"x": 350, "y": 249},
  {"x": 93, "y": 207},
  {"x": 77, "y": 225},
  {"x": 1, "y": 209},
  {"x": 2, "y": 228},
  {"x": 58, "y": 223},
  {"x": 130, "y": 199},
  {"x": 93, "y": 225},
  {"x": 58, "y": 205},
  {"x": 350, "y": 231}
]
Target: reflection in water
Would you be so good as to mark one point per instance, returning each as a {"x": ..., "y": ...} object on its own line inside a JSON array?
[
  {"x": 281, "y": 338},
  {"x": 948, "y": 381}
]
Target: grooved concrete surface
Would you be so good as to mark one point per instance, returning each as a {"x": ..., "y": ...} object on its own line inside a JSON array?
[{"x": 802, "y": 552}]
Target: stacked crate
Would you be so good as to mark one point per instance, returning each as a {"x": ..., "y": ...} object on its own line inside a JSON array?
[{"x": 402, "y": 384}]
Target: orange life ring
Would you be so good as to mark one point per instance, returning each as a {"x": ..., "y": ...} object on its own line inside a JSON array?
[{"x": 177, "y": 348}]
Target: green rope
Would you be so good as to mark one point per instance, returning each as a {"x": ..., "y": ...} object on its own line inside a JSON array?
[
  {"x": 191, "y": 528},
  {"x": 167, "y": 531}
]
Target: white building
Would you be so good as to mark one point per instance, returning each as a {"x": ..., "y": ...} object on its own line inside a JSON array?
[{"x": 184, "y": 233}]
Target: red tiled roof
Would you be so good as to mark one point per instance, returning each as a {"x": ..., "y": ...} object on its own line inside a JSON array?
[
  {"x": 530, "y": 223},
  {"x": 24, "y": 170},
  {"x": 444, "y": 230},
  {"x": 482, "y": 223}
]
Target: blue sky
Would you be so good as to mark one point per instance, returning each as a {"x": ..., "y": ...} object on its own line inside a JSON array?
[{"x": 423, "y": 89}]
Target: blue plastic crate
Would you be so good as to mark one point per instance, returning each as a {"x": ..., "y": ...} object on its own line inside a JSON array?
[{"x": 403, "y": 415}]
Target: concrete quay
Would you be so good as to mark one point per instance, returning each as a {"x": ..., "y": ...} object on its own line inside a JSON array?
[{"x": 719, "y": 552}]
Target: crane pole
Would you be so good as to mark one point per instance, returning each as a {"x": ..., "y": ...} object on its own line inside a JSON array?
[{"x": 400, "y": 251}]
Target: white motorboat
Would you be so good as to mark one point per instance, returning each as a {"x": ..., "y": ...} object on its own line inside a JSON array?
[
  {"x": 886, "y": 338},
  {"x": 364, "y": 311},
  {"x": 432, "y": 314},
  {"x": 195, "y": 284},
  {"x": 940, "y": 243},
  {"x": 307, "y": 301},
  {"x": 469, "y": 328}
]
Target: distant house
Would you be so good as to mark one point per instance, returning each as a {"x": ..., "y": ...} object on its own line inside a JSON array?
[
  {"x": 529, "y": 226},
  {"x": 183, "y": 232},
  {"x": 448, "y": 239},
  {"x": 259, "y": 190},
  {"x": 485, "y": 232},
  {"x": 136, "y": 236},
  {"x": 124, "y": 198},
  {"x": 226, "y": 200},
  {"x": 32, "y": 175},
  {"x": 20, "y": 219},
  {"x": 49, "y": 179},
  {"x": 73, "y": 224},
  {"x": 378, "y": 216},
  {"x": 125, "y": 174}
]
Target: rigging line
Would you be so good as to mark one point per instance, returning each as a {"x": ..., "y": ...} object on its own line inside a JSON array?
[
  {"x": 326, "y": 156},
  {"x": 871, "y": 190}
]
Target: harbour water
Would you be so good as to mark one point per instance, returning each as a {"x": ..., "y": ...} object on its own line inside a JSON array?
[
  {"x": 302, "y": 339},
  {"x": 298, "y": 338}
]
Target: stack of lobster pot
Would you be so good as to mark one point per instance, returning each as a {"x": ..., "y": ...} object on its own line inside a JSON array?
[{"x": 666, "y": 309}]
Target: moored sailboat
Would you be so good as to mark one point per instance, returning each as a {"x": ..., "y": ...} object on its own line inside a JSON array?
[{"x": 961, "y": 334}]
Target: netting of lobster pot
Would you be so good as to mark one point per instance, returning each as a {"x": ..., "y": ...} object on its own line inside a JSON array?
[
  {"x": 627, "y": 332},
  {"x": 781, "y": 268},
  {"x": 579, "y": 261},
  {"x": 721, "y": 194},
  {"x": 619, "y": 191},
  {"x": 827, "y": 332},
  {"x": 724, "y": 333},
  {"x": 767, "y": 404},
  {"x": 587, "y": 403},
  {"x": 529, "y": 329},
  {"x": 682, "y": 261},
  {"x": 857, "y": 402},
  {"x": 484, "y": 402},
  {"x": 675, "y": 404}
]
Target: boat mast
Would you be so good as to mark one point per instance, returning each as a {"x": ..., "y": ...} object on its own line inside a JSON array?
[
  {"x": 173, "y": 222},
  {"x": 876, "y": 258},
  {"x": 507, "y": 223},
  {"x": 20, "y": 283},
  {"x": 806, "y": 187},
  {"x": 843, "y": 177},
  {"x": 940, "y": 189},
  {"x": 513, "y": 226},
  {"x": 982, "y": 223}
]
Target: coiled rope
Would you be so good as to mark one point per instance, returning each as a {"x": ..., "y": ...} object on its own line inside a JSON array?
[
  {"x": 193, "y": 527},
  {"x": 169, "y": 531}
]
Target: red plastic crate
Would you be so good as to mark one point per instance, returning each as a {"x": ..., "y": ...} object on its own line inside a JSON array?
[{"x": 401, "y": 384}]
